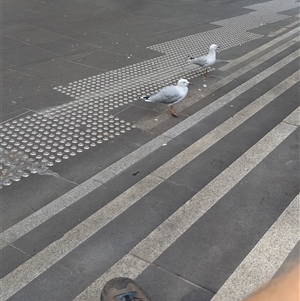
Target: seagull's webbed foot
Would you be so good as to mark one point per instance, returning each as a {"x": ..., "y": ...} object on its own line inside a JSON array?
[
  {"x": 170, "y": 108},
  {"x": 205, "y": 75}
]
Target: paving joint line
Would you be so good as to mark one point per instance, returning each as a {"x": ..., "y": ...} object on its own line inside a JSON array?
[{"x": 181, "y": 277}]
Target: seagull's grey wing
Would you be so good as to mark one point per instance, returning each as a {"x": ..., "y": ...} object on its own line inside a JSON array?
[
  {"x": 166, "y": 95},
  {"x": 201, "y": 61}
]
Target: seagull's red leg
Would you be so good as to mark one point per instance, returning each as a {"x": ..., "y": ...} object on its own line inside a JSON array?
[{"x": 170, "y": 108}]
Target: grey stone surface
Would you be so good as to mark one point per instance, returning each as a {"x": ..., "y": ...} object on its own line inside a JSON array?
[
  {"x": 34, "y": 36},
  {"x": 171, "y": 286},
  {"x": 98, "y": 159},
  {"x": 58, "y": 70},
  {"x": 5, "y": 65},
  {"x": 26, "y": 190},
  {"x": 107, "y": 60},
  {"x": 66, "y": 46},
  {"x": 3, "y": 244},
  {"x": 260, "y": 265},
  {"x": 10, "y": 110},
  {"x": 53, "y": 43},
  {"x": 250, "y": 132},
  {"x": 9, "y": 43},
  {"x": 290, "y": 262},
  {"x": 18, "y": 257},
  {"x": 106, "y": 246},
  {"x": 243, "y": 211},
  {"x": 82, "y": 206},
  {"x": 29, "y": 92},
  {"x": 26, "y": 54}
]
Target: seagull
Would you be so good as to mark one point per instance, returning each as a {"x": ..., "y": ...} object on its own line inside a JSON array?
[
  {"x": 170, "y": 95},
  {"x": 205, "y": 60}
]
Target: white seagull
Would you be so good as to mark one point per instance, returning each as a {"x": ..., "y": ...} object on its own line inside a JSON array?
[
  {"x": 205, "y": 60},
  {"x": 170, "y": 95}
]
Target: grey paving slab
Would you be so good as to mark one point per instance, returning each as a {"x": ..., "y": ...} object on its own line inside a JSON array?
[
  {"x": 140, "y": 42},
  {"x": 108, "y": 245},
  {"x": 10, "y": 43},
  {"x": 107, "y": 60},
  {"x": 66, "y": 46},
  {"x": 34, "y": 36},
  {"x": 136, "y": 49},
  {"x": 161, "y": 11},
  {"x": 162, "y": 127},
  {"x": 128, "y": 6},
  {"x": 12, "y": 26},
  {"x": 67, "y": 26},
  {"x": 16, "y": 13},
  {"x": 29, "y": 92},
  {"x": 23, "y": 198},
  {"x": 159, "y": 26},
  {"x": 291, "y": 12},
  {"x": 102, "y": 39},
  {"x": 135, "y": 137},
  {"x": 163, "y": 285},
  {"x": 11, "y": 252},
  {"x": 5, "y": 65},
  {"x": 190, "y": 19},
  {"x": 25, "y": 55},
  {"x": 30, "y": 5},
  {"x": 9, "y": 111},
  {"x": 176, "y": 33},
  {"x": 244, "y": 215},
  {"x": 135, "y": 112},
  {"x": 73, "y": 57},
  {"x": 59, "y": 71},
  {"x": 229, "y": 9}
]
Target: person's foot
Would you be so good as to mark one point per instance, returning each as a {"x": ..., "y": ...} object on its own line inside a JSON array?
[{"x": 123, "y": 289}]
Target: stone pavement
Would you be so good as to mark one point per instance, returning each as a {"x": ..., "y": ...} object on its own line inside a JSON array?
[{"x": 98, "y": 184}]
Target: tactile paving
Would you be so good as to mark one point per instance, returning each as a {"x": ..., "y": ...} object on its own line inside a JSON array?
[{"x": 38, "y": 141}]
